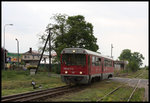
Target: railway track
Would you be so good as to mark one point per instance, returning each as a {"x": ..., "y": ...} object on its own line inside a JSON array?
[
  {"x": 114, "y": 90},
  {"x": 40, "y": 94}
]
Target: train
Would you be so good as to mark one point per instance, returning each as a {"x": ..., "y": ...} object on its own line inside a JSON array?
[{"x": 82, "y": 66}]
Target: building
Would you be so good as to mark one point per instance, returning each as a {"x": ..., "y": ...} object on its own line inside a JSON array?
[
  {"x": 31, "y": 57},
  {"x": 28, "y": 58},
  {"x": 120, "y": 65},
  {"x": 13, "y": 57}
]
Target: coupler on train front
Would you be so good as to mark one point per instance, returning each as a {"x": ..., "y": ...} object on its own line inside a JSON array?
[{"x": 75, "y": 79}]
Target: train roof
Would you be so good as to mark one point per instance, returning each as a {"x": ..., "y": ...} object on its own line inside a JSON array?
[{"x": 80, "y": 50}]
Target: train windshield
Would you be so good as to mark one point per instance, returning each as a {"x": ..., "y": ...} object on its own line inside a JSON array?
[{"x": 74, "y": 59}]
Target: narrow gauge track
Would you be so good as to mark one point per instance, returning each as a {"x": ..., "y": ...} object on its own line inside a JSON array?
[
  {"x": 40, "y": 94},
  {"x": 135, "y": 87}
]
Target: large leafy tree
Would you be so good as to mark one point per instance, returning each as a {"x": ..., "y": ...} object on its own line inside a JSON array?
[
  {"x": 125, "y": 55},
  {"x": 71, "y": 31},
  {"x": 134, "y": 59},
  {"x": 138, "y": 58},
  {"x": 80, "y": 33}
]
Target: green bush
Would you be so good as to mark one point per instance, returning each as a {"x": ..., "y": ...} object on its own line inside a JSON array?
[
  {"x": 56, "y": 68},
  {"x": 146, "y": 67}
]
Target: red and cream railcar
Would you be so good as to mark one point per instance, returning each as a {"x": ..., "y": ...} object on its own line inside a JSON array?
[{"x": 81, "y": 66}]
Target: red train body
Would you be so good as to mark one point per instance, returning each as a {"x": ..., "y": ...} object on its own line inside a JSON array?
[{"x": 81, "y": 66}]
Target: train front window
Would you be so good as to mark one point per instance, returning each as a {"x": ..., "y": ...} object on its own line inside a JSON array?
[{"x": 74, "y": 59}]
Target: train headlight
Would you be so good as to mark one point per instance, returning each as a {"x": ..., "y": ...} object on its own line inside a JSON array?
[
  {"x": 80, "y": 72},
  {"x": 66, "y": 72},
  {"x": 73, "y": 51}
]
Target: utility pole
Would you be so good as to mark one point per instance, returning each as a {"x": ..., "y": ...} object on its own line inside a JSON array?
[
  {"x": 42, "y": 54},
  {"x": 49, "y": 51},
  {"x": 48, "y": 39},
  {"x": 111, "y": 50}
]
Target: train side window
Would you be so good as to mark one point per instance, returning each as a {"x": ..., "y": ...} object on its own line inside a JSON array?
[
  {"x": 97, "y": 61},
  {"x": 93, "y": 60},
  {"x": 108, "y": 63}
]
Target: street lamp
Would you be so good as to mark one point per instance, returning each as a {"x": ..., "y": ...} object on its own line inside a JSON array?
[
  {"x": 111, "y": 50},
  {"x": 4, "y": 41},
  {"x": 18, "y": 51}
]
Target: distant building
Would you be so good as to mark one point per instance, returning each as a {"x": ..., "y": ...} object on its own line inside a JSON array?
[
  {"x": 31, "y": 57},
  {"x": 120, "y": 65},
  {"x": 13, "y": 57},
  {"x": 28, "y": 58},
  {"x": 45, "y": 59}
]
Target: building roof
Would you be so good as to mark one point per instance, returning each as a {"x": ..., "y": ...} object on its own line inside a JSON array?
[
  {"x": 32, "y": 52},
  {"x": 121, "y": 62}
]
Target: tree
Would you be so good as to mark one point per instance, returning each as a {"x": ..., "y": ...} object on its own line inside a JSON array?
[
  {"x": 125, "y": 55},
  {"x": 138, "y": 58},
  {"x": 59, "y": 28},
  {"x": 69, "y": 32},
  {"x": 80, "y": 33},
  {"x": 133, "y": 65},
  {"x": 134, "y": 59}
]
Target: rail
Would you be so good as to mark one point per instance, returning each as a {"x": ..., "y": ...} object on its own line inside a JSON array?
[
  {"x": 111, "y": 92},
  {"x": 36, "y": 95}
]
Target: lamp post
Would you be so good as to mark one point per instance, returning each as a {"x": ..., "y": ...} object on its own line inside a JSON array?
[
  {"x": 111, "y": 50},
  {"x": 18, "y": 51},
  {"x": 4, "y": 41}
]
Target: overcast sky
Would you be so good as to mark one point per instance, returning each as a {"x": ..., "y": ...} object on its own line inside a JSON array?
[{"x": 124, "y": 24}]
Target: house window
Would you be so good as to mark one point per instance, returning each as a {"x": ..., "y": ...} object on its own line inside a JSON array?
[{"x": 33, "y": 56}]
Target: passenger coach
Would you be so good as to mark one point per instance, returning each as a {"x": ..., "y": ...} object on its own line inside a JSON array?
[{"x": 82, "y": 66}]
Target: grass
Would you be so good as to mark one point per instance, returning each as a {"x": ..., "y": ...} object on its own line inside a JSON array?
[
  {"x": 129, "y": 74},
  {"x": 98, "y": 90},
  {"x": 123, "y": 93},
  {"x": 137, "y": 97},
  {"x": 92, "y": 93},
  {"x": 20, "y": 81},
  {"x": 14, "y": 82}
]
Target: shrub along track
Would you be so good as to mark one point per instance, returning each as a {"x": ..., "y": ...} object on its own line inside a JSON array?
[{"x": 41, "y": 94}]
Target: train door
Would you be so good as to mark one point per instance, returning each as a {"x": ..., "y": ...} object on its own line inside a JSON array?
[
  {"x": 89, "y": 68},
  {"x": 100, "y": 64},
  {"x": 102, "y": 70},
  {"x": 89, "y": 65}
]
